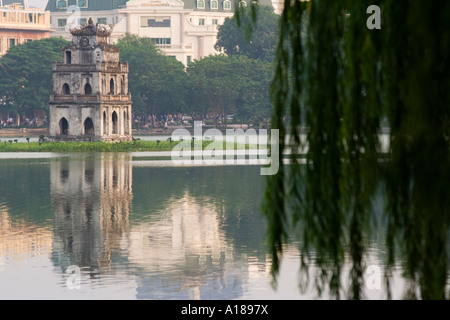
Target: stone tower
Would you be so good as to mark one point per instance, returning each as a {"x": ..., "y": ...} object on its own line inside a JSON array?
[{"x": 90, "y": 99}]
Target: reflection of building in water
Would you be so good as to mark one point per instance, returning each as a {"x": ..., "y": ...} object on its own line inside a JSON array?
[
  {"x": 91, "y": 201},
  {"x": 186, "y": 253},
  {"x": 19, "y": 240}
]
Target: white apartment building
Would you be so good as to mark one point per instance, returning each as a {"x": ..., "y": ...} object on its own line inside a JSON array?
[
  {"x": 186, "y": 30},
  {"x": 20, "y": 24}
]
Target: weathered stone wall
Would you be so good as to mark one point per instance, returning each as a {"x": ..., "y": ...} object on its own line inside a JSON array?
[{"x": 92, "y": 84}]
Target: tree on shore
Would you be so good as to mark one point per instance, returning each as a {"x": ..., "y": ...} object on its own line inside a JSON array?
[
  {"x": 157, "y": 82},
  {"x": 26, "y": 75},
  {"x": 258, "y": 41},
  {"x": 350, "y": 77},
  {"x": 221, "y": 85},
  {"x": 214, "y": 86}
]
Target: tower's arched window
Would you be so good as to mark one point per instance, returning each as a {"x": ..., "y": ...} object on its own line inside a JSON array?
[
  {"x": 125, "y": 122},
  {"x": 111, "y": 86},
  {"x": 88, "y": 126},
  {"x": 87, "y": 89},
  {"x": 66, "y": 89},
  {"x": 105, "y": 128},
  {"x": 115, "y": 123},
  {"x": 122, "y": 85},
  {"x": 103, "y": 86},
  {"x": 63, "y": 126},
  {"x": 68, "y": 57}
]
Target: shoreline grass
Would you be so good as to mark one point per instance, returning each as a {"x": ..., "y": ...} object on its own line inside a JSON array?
[{"x": 134, "y": 146}]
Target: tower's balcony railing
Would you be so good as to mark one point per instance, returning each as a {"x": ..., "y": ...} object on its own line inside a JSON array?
[
  {"x": 74, "y": 97},
  {"x": 117, "y": 97},
  {"x": 103, "y": 67},
  {"x": 114, "y": 67},
  {"x": 59, "y": 66},
  {"x": 89, "y": 97}
]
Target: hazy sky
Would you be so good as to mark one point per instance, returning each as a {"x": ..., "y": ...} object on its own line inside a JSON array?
[{"x": 37, "y": 3}]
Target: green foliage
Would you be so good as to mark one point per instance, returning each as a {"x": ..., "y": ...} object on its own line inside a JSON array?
[
  {"x": 240, "y": 36},
  {"x": 222, "y": 85},
  {"x": 26, "y": 75},
  {"x": 156, "y": 81},
  {"x": 214, "y": 85},
  {"x": 351, "y": 78},
  {"x": 87, "y": 146},
  {"x": 253, "y": 103},
  {"x": 135, "y": 146}
]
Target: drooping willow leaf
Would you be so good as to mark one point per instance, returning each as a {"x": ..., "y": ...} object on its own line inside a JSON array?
[{"x": 342, "y": 80}]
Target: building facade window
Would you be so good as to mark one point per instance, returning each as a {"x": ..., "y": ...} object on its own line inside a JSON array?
[
  {"x": 82, "y": 3},
  {"x": 160, "y": 41},
  {"x": 101, "y": 21},
  {"x": 12, "y": 42},
  {"x": 62, "y": 22},
  {"x": 82, "y": 21},
  {"x": 189, "y": 60},
  {"x": 201, "y": 22},
  {"x": 227, "y": 5},
  {"x": 215, "y": 21},
  {"x": 61, "y": 4},
  {"x": 200, "y": 4},
  {"x": 155, "y": 22},
  {"x": 214, "y": 4},
  {"x": 242, "y": 4}
]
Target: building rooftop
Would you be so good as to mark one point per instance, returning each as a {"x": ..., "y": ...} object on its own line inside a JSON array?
[
  {"x": 101, "y": 5},
  {"x": 8, "y": 2},
  {"x": 97, "y": 5}
]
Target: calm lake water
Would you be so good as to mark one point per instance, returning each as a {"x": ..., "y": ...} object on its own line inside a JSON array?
[{"x": 118, "y": 226}]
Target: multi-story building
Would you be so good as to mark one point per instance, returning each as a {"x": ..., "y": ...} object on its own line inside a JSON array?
[
  {"x": 186, "y": 30},
  {"x": 19, "y": 24}
]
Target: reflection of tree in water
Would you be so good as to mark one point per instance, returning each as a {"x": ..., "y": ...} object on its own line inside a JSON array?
[
  {"x": 24, "y": 190},
  {"x": 91, "y": 200}
]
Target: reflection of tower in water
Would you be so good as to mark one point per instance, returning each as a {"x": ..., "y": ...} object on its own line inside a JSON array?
[
  {"x": 91, "y": 200},
  {"x": 115, "y": 200}
]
